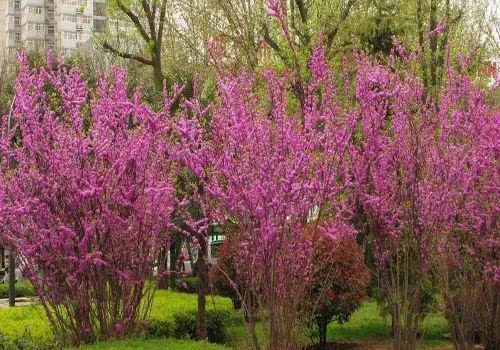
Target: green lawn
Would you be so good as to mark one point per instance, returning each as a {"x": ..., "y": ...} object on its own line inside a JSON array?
[
  {"x": 164, "y": 344},
  {"x": 166, "y": 303},
  {"x": 15, "y": 322},
  {"x": 365, "y": 326},
  {"x": 25, "y": 320}
]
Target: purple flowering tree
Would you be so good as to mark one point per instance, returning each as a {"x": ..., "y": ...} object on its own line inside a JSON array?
[
  {"x": 424, "y": 177},
  {"x": 270, "y": 166},
  {"x": 465, "y": 169},
  {"x": 85, "y": 194}
]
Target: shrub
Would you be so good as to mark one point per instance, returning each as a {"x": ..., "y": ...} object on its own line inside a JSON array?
[
  {"x": 216, "y": 326},
  {"x": 158, "y": 329},
  {"x": 185, "y": 325},
  {"x": 26, "y": 342},
  {"x": 187, "y": 284},
  {"x": 24, "y": 289},
  {"x": 337, "y": 284}
]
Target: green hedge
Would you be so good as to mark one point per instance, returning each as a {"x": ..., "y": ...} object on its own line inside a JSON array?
[
  {"x": 183, "y": 326},
  {"x": 26, "y": 342},
  {"x": 23, "y": 289}
]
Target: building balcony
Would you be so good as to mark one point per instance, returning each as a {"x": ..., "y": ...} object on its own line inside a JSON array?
[{"x": 11, "y": 11}]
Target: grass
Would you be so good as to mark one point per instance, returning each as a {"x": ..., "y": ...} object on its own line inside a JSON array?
[
  {"x": 25, "y": 320},
  {"x": 166, "y": 303},
  {"x": 164, "y": 344},
  {"x": 365, "y": 326},
  {"x": 18, "y": 321}
]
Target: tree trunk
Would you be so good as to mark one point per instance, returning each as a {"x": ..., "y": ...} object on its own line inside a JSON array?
[
  {"x": 202, "y": 267},
  {"x": 322, "y": 327},
  {"x": 421, "y": 43},
  {"x": 162, "y": 268},
  {"x": 158, "y": 75},
  {"x": 12, "y": 279},
  {"x": 433, "y": 43}
]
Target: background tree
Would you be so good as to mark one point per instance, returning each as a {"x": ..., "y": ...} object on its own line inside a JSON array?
[{"x": 148, "y": 18}]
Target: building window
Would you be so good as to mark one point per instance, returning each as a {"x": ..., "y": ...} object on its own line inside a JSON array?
[
  {"x": 17, "y": 36},
  {"x": 69, "y": 35},
  {"x": 17, "y": 21},
  {"x": 17, "y": 4},
  {"x": 75, "y": 2},
  {"x": 69, "y": 18},
  {"x": 35, "y": 26},
  {"x": 35, "y": 10},
  {"x": 50, "y": 30}
]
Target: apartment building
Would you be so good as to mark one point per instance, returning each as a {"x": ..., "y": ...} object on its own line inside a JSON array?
[
  {"x": 3, "y": 27},
  {"x": 64, "y": 25}
]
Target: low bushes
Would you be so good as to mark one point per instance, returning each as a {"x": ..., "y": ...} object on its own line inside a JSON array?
[
  {"x": 23, "y": 289},
  {"x": 183, "y": 326},
  {"x": 26, "y": 342}
]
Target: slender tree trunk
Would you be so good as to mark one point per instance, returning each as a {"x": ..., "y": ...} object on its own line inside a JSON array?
[
  {"x": 163, "y": 267},
  {"x": 322, "y": 327},
  {"x": 2, "y": 258},
  {"x": 421, "y": 44},
  {"x": 492, "y": 341},
  {"x": 174, "y": 256},
  {"x": 433, "y": 43},
  {"x": 202, "y": 267},
  {"x": 12, "y": 279},
  {"x": 158, "y": 74},
  {"x": 396, "y": 330}
]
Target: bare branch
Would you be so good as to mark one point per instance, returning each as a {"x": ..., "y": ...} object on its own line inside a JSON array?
[
  {"x": 302, "y": 10},
  {"x": 343, "y": 16},
  {"x": 126, "y": 55},
  {"x": 272, "y": 43},
  {"x": 134, "y": 19}
]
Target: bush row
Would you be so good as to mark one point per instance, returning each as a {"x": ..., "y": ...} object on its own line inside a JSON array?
[
  {"x": 183, "y": 326},
  {"x": 23, "y": 289},
  {"x": 26, "y": 342}
]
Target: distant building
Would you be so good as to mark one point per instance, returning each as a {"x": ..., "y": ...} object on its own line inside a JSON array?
[
  {"x": 489, "y": 71},
  {"x": 3, "y": 29},
  {"x": 64, "y": 25}
]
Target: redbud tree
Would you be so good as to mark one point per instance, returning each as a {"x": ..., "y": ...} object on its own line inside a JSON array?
[
  {"x": 389, "y": 171},
  {"x": 86, "y": 192},
  {"x": 424, "y": 170},
  {"x": 465, "y": 167},
  {"x": 267, "y": 163}
]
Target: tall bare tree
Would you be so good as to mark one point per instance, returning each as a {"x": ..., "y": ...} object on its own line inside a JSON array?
[{"x": 148, "y": 18}]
